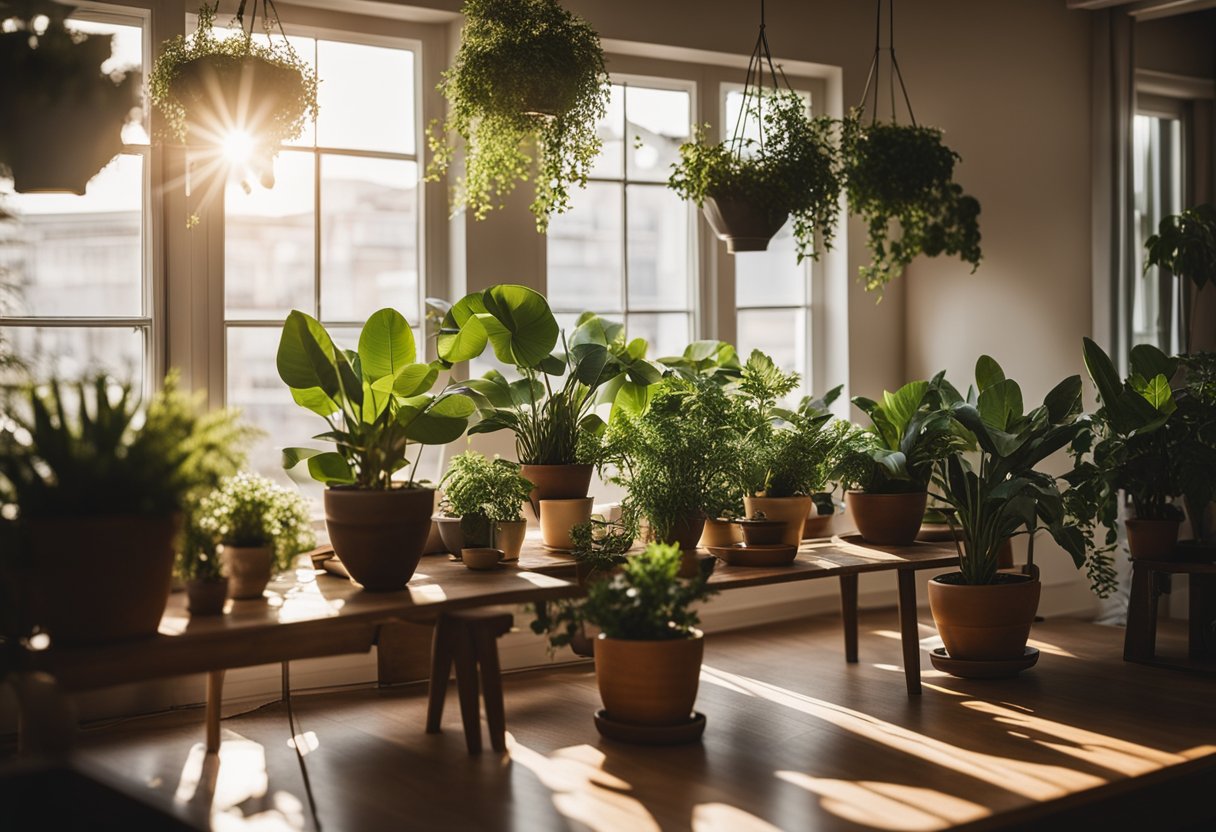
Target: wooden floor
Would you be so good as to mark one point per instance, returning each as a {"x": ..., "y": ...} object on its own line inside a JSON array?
[{"x": 796, "y": 740}]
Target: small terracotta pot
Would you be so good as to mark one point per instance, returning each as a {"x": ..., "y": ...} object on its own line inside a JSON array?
[
  {"x": 481, "y": 557},
  {"x": 509, "y": 536},
  {"x": 1152, "y": 539},
  {"x": 450, "y": 534},
  {"x": 720, "y": 533},
  {"x": 379, "y": 535},
  {"x": 985, "y": 623},
  {"x": 763, "y": 532},
  {"x": 248, "y": 569},
  {"x": 649, "y": 682},
  {"x": 556, "y": 482},
  {"x": 558, "y": 517},
  {"x": 686, "y": 533},
  {"x": 206, "y": 596},
  {"x": 887, "y": 519},
  {"x": 817, "y": 525},
  {"x": 792, "y": 511}
]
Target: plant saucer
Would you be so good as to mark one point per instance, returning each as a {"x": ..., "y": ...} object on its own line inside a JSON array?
[
  {"x": 631, "y": 732},
  {"x": 744, "y": 554},
  {"x": 973, "y": 669}
]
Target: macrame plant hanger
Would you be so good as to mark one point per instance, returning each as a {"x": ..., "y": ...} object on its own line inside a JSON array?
[
  {"x": 753, "y": 89},
  {"x": 874, "y": 79},
  {"x": 270, "y": 20}
]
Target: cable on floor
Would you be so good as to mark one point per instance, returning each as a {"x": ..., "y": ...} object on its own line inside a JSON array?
[{"x": 291, "y": 725}]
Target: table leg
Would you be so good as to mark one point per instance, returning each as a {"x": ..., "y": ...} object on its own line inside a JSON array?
[
  {"x": 1140, "y": 635},
  {"x": 909, "y": 629},
  {"x": 441, "y": 668},
  {"x": 848, "y": 614},
  {"x": 1202, "y": 615},
  {"x": 491, "y": 688},
  {"x": 466, "y": 686},
  {"x": 215, "y": 698}
]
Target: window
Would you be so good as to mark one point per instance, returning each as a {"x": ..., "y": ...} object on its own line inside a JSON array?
[
  {"x": 1156, "y": 308},
  {"x": 337, "y": 237},
  {"x": 626, "y": 248},
  {"x": 76, "y": 276}
]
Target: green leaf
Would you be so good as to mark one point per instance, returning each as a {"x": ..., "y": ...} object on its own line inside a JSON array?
[
  {"x": 306, "y": 355},
  {"x": 1149, "y": 361},
  {"x": 902, "y": 405},
  {"x": 590, "y": 359},
  {"x": 443, "y": 422},
  {"x": 1064, "y": 400},
  {"x": 528, "y": 330},
  {"x": 294, "y": 456},
  {"x": 314, "y": 399},
  {"x": 386, "y": 345},
  {"x": 330, "y": 468},
  {"x": 1102, "y": 370},
  {"x": 1156, "y": 392},
  {"x": 988, "y": 372},
  {"x": 1000, "y": 403},
  {"x": 414, "y": 379},
  {"x": 461, "y": 335}
]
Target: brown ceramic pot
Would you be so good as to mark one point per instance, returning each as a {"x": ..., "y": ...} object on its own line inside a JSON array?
[
  {"x": 763, "y": 532},
  {"x": 1152, "y": 539},
  {"x": 720, "y": 533},
  {"x": 556, "y": 482},
  {"x": 649, "y": 682},
  {"x": 558, "y": 517},
  {"x": 450, "y": 534},
  {"x": 793, "y": 511},
  {"x": 206, "y": 596},
  {"x": 379, "y": 535},
  {"x": 887, "y": 519},
  {"x": 248, "y": 569},
  {"x": 817, "y": 525},
  {"x": 509, "y": 536},
  {"x": 97, "y": 579},
  {"x": 744, "y": 225},
  {"x": 985, "y": 623},
  {"x": 686, "y": 533}
]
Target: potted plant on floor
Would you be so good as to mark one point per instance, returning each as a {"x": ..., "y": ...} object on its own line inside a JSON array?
[
  {"x": 983, "y": 614},
  {"x": 213, "y": 90},
  {"x": 527, "y": 87},
  {"x": 92, "y": 486},
  {"x": 376, "y": 403},
  {"x": 491, "y": 489},
  {"x": 888, "y": 476},
  {"x": 258, "y": 526},
  {"x": 63, "y": 115}
]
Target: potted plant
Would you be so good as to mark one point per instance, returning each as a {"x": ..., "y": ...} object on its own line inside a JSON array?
[
  {"x": 527, "y": 86},
  {"x": 983, "y": 614},
  {"x": 376, "y": 403},
  {"x": 900, "y": 176},
  {"x": 1185, "y": 244},
  {"x": 491, "y": 489},
  {"x": 748, "y": 188},
  {"x": 715, "y": 360},
  {"x": 673, "y": 456},
  {"x": 92, "y": 485},
  {"x": 209, "y": 88},
  {"x": 70, "y": 114},
  {"x": 552, "y": 407},
  {"x": 1193, "y": 452},
  {"x": 259, "y": 527},
  {"x": 648, "y": 653},
  {"x": 198, "y": 564},
  {"x": 888, "y": 476}
]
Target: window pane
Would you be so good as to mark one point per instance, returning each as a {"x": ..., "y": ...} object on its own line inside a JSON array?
[
  {"x": 68, "y": 255},
  {"x": 585, "y": 251},
  {"x": 610, "y": 164},
  {"x": 71, "y": 353},
  {"x": 268, "y": 249},
  {"x": 773, "y": 277},
  {"x": 657, "y": 124},
  {"x": 365, "y": 98},
  {"x": 667, "y": 333},
  {"x": 369, "y": 237},
  {"x": 779, "y": 332},
  {"x": 658, "y": 248}
]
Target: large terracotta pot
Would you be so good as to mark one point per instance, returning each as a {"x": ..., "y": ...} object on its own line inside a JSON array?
[
  {"x": 792, "y": 511},
  {"x": 743, "y": 224},
  {"x": 206, "y": 596},
  {"x": 558, "y": 517},
  {"x": 985, "y": 623},
  {"x": 248, "y": 568},
  {"x": 509, "y": 536},
  {"x": 450, "y": 534},
  {"x": 720, "y": 533},
  {"x": 887, "y": 519},
  {"x": 1152, "y": 539},
  {"x": 97, "y": 579},
  {"x": 379, "y": 535},
  {"x": 556, "y": 482},
  {"x": 649, "y": 682}
]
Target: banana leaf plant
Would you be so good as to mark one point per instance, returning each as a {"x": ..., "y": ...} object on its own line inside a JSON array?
[
  {"x": 376, "y": 400},
  {"x": 552, "y": 408},
  {"x": 999, "y": 493}
]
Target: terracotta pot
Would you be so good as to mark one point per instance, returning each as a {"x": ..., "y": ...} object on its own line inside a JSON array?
[
  {"x": 481, "y": 557},
  {"x": 887, "y": 519},
  {"x": 206, "y": 596},
  {"x": 720, "y": 533},
  {"x": 379, "y": 535},
  {"x": 450, "y": 534},
  {"x": 1004, "y": 555},
  {"x": 817, "y": 525},
  {"x": 742, "y": 224},
  {"x": 249, "y": 569},
  {"x": 792, "y": 511},
  {"x": 1152, "y": 539},
  {"x": 763, "y": 532},
  {"x": 686, "y": 533},
  {"x": 985, "y": 623},
  {"x": 649, "y": 682},
  {"x": 509, "y": 536},
  {"x": 556, "y": 482},
  {"x": 97, "y": 579},
  {"x": 557, "y": 517}
]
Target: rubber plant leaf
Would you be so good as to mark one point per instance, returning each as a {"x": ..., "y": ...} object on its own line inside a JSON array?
[{"x": 386, "y": 345}]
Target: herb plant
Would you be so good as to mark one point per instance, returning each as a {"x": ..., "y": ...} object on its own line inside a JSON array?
[
  {"x": 528, "y": 85},
  {"x": 475, "y": 484},
  {"x": 250, "y": 510},
  {"x": 601, "y": 544}
]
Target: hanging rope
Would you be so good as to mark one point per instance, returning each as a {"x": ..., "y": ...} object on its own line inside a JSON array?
[
  {"x": 874, "y": 78},
  {"x": 753, "y": 86},
  {"x": 270, "y": 20}
]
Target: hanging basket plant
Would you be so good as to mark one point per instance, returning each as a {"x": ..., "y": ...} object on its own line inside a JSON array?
[
  {"x": 61, "y": 117},
  {"x": 748, "y": 187},
  {"x": 210, "y": 88},
  {"x": 527, "y": 87},
  {"x": 900, "y": 181}
]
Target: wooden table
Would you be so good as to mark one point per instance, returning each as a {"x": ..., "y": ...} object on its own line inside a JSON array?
[
  {"x": 306, "y": 616},
  {"x": 1140, "y": 638},
  {"x": 835, "y": 558}
]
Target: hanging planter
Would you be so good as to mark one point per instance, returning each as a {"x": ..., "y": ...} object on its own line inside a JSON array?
[
  {"x": 239, "y": 98},
  {"x": 749, "y": 187},
  {"x": 61, "y": 117},
  {"x": 900, "y": 181},
  {"x": 528, "y": 85}
]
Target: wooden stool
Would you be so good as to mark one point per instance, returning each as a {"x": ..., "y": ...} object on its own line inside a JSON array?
[{"x": 470, "y": 639}]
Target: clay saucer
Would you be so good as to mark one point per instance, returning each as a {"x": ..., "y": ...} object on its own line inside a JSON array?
[
  {"x": 745, "y": 554},
  {"x": 934, "y": 533},
  {"x": 971, "y": 669},
  {"x": 635, "y": 734}
]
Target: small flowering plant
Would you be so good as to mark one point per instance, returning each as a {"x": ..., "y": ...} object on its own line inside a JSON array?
[{"x": 250, "y": 510}]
